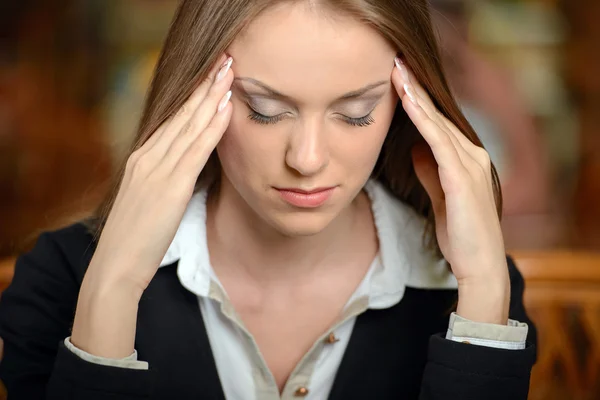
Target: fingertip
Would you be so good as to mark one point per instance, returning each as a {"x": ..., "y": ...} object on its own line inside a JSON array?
[
  {"x": 220, "y": 61},
  {"x": 216, "y": 67},
  {"x": 397, "y": 81},
  {"x": 223, "y": 116},
  {"x": 227, "y": 110},
  {"x": 224, "y": 101}
]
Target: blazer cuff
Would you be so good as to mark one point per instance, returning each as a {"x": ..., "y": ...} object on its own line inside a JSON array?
[
  {"x": 86, "y": 380},
  {"x": 461, "y": 371},
  {"x": 511, "y": 336},
  {"x": 130, "y": 362}
]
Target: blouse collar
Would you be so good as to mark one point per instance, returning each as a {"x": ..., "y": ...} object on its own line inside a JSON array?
[{"x": 402, "y": 260}]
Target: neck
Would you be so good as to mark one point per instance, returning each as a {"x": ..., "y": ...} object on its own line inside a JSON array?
[{"x": 242, "y": 243}]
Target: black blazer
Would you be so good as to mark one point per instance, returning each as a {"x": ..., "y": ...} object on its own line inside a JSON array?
[{"x": 395, "y": 353}]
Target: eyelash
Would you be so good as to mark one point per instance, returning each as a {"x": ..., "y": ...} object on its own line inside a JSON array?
[
  {"x": 362, "y": 121},
  {"x": 264, "y": 120}
]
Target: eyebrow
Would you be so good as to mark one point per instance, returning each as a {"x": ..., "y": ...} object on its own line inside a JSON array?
[{"x": 274, "y": 93}]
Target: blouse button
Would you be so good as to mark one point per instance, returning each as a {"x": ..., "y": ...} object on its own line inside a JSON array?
[
  {"x": 301, "y": 392},
  {"x": 331, "y": 338}
]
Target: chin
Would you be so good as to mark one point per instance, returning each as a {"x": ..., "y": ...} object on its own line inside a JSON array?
[{"x": 297, "y": 224}]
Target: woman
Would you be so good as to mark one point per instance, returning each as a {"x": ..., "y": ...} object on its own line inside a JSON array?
[{"x": 298, "y": 260}]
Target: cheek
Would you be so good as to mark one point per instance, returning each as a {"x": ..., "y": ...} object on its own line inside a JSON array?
[
  {"x": 363, "y": 150},
  {"x": 244, "y": 150},
  {"x": 360, "y": 152},
  {"x": 231, "y": 152}
]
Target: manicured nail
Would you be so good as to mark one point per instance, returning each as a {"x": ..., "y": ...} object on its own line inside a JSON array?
[
  {"x": 224, "y": 101},
  {"x": 224, "y": 69},
  {"x": 402, "y": 68},
  {"x": 408, "y": 89}
]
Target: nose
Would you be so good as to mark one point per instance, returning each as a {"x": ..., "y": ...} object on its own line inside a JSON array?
[{"x": 307, "y": 151}]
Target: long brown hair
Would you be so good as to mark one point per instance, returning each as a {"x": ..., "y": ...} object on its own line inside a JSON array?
[{"x": 203, "y": 29}]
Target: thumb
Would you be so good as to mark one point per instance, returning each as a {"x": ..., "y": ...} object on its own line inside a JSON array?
[{"x": 427, "y": 172}]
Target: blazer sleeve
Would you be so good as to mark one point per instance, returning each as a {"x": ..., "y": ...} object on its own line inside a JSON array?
[
  {"x": 36, "y": 315},
  {"x": 460, "y": 371}
]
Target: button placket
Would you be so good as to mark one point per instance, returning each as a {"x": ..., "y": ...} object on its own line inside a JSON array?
[{"x": 265, "y": 384}]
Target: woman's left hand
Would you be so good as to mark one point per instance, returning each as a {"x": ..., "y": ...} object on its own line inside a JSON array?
[{"x": 457, "y": 177}]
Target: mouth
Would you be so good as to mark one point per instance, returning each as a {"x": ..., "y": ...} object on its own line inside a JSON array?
[{"x": 306, "y": 198}]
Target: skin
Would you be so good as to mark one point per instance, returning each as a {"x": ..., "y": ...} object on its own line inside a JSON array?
[{"x": 286, "y": 262}]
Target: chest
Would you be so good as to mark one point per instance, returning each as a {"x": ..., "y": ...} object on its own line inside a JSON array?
[
  {"x": 283, "y": 338},
  {"x": 289, "y": 326}
]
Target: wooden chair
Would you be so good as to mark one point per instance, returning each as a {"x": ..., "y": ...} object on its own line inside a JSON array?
[{"x": 562, "y": 297}]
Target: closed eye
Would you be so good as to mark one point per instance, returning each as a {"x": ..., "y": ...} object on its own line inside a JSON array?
[
  {"x": 268, "y": 120},
  {"x": 362, "y": 121},
  {"x": 264, "y": 119}
]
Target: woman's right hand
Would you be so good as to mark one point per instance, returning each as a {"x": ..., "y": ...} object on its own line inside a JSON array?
[
  {"x": 158, "y": 184},
  {"x": 156, "y": 188}
]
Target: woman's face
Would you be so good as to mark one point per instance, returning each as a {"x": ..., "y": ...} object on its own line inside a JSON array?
[{"x": 312, "y": 104}]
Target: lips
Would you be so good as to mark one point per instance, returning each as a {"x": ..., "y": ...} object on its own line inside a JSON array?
[
  {"x": 302, "y": 191},
  {"x": 304, "y": 198}
]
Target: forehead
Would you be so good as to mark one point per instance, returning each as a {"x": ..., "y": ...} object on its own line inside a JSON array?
[{"x": 299, "y": 49}]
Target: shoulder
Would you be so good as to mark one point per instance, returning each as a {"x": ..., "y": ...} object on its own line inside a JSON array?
[
  {"x": 46, "y": 282},
  {"x": 37, "y": 309},
  {"x": 62, "y": 254}
]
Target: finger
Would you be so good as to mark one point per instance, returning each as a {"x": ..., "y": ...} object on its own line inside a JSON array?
[
  {"x": 202, "y": 117},
  {"x": 188, "y": 109},
  {"x": 474, "y": 157},
  {"x": 475, "y": 161},
  {"x": 169, "y": 129},
  {"x": 443, "y": 148},
  {"x": 469, "y": 153},
  {"x": 429, "y": 107},
  {"x": 425, "y": 100},
  {"x": 403, "y": 78},
  {"x": 197, "y": 154}
]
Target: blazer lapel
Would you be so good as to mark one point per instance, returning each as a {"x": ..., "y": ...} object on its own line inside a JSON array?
[
  {"x": 387, "y": 351},
  {"x": 172, "y": 337}
]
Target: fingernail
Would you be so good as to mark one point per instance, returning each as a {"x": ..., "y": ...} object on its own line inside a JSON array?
[
  {"x": 402, "y": 68},
  {"x": 224, "y": 101},
  {"x": 224, "y": 69},
  {"x": 408, "y": 89}
]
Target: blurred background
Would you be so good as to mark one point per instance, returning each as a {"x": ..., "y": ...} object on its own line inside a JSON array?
[{"x": 73, "y": 76}]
